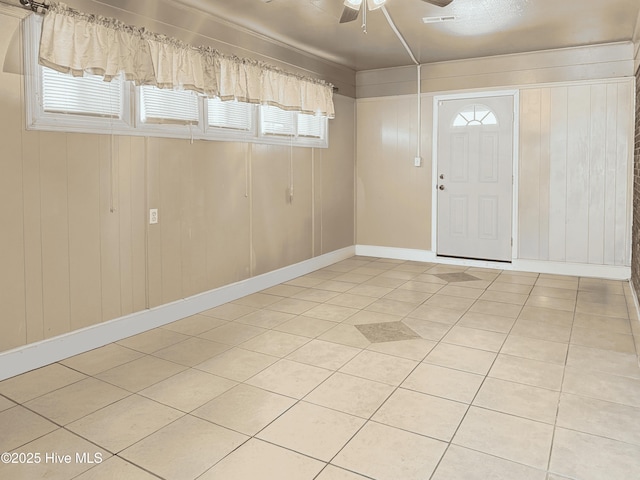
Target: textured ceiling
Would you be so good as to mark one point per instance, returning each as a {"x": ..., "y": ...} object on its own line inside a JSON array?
[{"x": 482, "y": 27}]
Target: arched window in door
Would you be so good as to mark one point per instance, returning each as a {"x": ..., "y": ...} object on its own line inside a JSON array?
[{"x": 475, "y": 115}]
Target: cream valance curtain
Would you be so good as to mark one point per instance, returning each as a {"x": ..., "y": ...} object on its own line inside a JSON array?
[{"x": 75, "y": 42}]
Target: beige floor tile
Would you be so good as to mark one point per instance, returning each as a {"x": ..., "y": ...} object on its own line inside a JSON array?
[
  {"x": 603, "y": 298},
  {"x": 335, "y": 286},
  {"x": 463, "y": 464},
  {"x": 606, "y": 310},
  {"x": 432, "y": 313},
  {"x": 345, "y": 335},
  {"x": 116, "y": 468},
  {"x": 366, "y": 316},
  {"x": 599, "y": 322},
  {"x": 517, "y": 279},
  {"x": 605, "y": 361},
  {"x": 379, "y": 367},
  {"x": 475, "y": 338},
  {"x": 499, "y": 286},
  {"x": 351, "y": 301},
  {"x": 387, "y": 453},
  {"x": 505, "y": 436},
  {"x": 518, "y": 399},
  {"x": 420, "y": 413},
  {"x": 312, "y": 430},
  {"x": 292, "y": 305},
  {"x": 426, "y": 329},
  {"x": 237, "y": 364},
  {"x": 602, "y": 386},
  {"x": 101, "y": 359},
  {"x": 370, "y": 290},
  {"x": 123, "y": 423},
  {"x": 391, "y": 307},
  {"x": 552, "y": 303},
  {"x": 564, "y": 293},
  {"x": 618, "y": 342},
  {"x": 265, "y": 318},
  {"x": 188, "y": 390},
  {"x": 413, "y": 349},
  {"x": 140, "y": 373},
  {"x": 257, "y": 300},
  {"x": 542, "y": 330},
  {"x": 229, "y": 311},
  {"x": 323, "y": 354},
  {"x": 535, "y": 349},
  {"x": 258, "y": 459},
  {"x": 385, "y": 282},
  {"x": 483, "y": 321},
  {"x": 61, "y": 443},
  {"x": 354, "y": 278},
  {"x": 307, "y": 281},
  {"x": 332, "y": 472},
  {"x": 349, "y": 394},
  {"x": 290, "y": 378},
  {"x": 442, "y": 268},
  {"x": 423, "y": 287},
  {"x": 407, "y": 296},
  {"x": 400, "y": 274},
  {"x": 283, "y": 290},
  {"x": 504, "y": 297},
  {"x": 30, "y": 385},
  {"x": 547, "y": 315},
  {"x": 277, "y": 344},
  {"x": 444, "y": 382},
  {"x": 461, "y": 358},
  {"x": 233, "y": 333},
  {"x": 195, "y": 324},
  {"x": 153, "y": 340},
  {"x": 527, "y": 371},
  {"x": 496, "y": 308},
  {"x": 305, "y": 326},
  {"x": 5, "y": 403},
  {"x": 192, "y": 351},
  {"x": 245, "y": 409},
  {"x": 588, "y": 457},
  {"x": 605, "y": 419},
  {"x": 19, "y": 426},
  {"x": 333, "y": 313},
  {"x": 76, "y": 400},
  {"x": 460, "y": 291},
  {"x": 316, "y": 295},
  {"x": 195, "y": 445},
  {"x": 457, "y": 304},
  {"x": 561, "y": 282}
]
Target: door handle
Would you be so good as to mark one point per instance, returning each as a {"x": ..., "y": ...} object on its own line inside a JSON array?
[{"x": 441, "y": 187}]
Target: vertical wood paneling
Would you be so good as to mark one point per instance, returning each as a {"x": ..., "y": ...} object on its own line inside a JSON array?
[
  {"x": 578, "y": 157},
  {"x": 109, "y": 227},
  {"x": 610, "y": 174},
  {"x": 154, "y": 232},
  {"x": 559, "y": 138},
  {"x": 529, "y": 184},
  {"x": 84, "y": 232},
  {"x": 545, "y": 173},
  {"x": 597, "y": 150},
  {"x": 123, "y": 146},
  {"x": 138, "y": 222},
  {"x": 55, "y": 234},
  {"x": 623, "y": 173}
]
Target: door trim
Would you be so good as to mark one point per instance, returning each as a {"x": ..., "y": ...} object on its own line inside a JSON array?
[{"x": 516, "y": 149}]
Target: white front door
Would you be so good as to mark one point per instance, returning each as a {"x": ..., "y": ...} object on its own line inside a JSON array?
[{"x": 475, "y": 184}]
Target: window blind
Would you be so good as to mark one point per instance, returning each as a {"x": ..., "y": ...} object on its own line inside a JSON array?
[
  {"x": 168, "y": 106},
  {"x": 275, "y": 121},
  {"x": 230, "y": 114},
  {"x": 310, "y": 125},
  {"x": 88, "y": 95}
]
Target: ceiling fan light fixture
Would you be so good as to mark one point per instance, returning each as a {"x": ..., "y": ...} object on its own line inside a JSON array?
[
  {"x": 354, "y": 4},
  {"x": 375, "y": 4}
]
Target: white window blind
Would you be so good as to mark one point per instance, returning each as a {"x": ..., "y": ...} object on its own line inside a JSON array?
[
  {"x": 230, "y": 114},
  {"x": 88, "y": 95},
  {"x": 275, "y": 121},
  {"x": 310, "y": 125},
  {"x": 168, "y": 106}
]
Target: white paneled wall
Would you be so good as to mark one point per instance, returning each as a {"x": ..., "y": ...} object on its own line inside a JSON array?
[{"x": 576, "y": 173}]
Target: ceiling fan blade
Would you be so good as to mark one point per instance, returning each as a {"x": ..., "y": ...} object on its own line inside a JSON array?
[
  {"x": 439, "y": 3},
  {"x": 349, "y": 15}
]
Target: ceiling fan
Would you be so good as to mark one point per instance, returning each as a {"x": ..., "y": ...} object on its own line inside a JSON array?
[{"x": 352, "y": 7}]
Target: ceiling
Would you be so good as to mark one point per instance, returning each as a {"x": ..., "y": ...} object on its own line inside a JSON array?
[{"x": 482, "y": 27}]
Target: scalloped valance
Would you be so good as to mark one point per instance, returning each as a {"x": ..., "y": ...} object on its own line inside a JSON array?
[{"x": 75, "y": 42}]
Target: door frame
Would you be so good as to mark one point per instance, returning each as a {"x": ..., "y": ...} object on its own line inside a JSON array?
[{"x": 516, "y": 149}]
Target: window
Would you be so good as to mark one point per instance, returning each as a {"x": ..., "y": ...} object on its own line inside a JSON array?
[
  {"x": 60, "y": 102},
  {"x": 475, "y": 115}
]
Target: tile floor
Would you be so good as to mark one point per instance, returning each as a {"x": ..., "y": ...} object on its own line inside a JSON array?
[{"x": 367, "y": 369}]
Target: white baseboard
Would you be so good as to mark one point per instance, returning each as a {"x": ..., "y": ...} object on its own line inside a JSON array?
[
  {"x": 538, "y": 266},
  {"x": 36, "y": 355}
]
